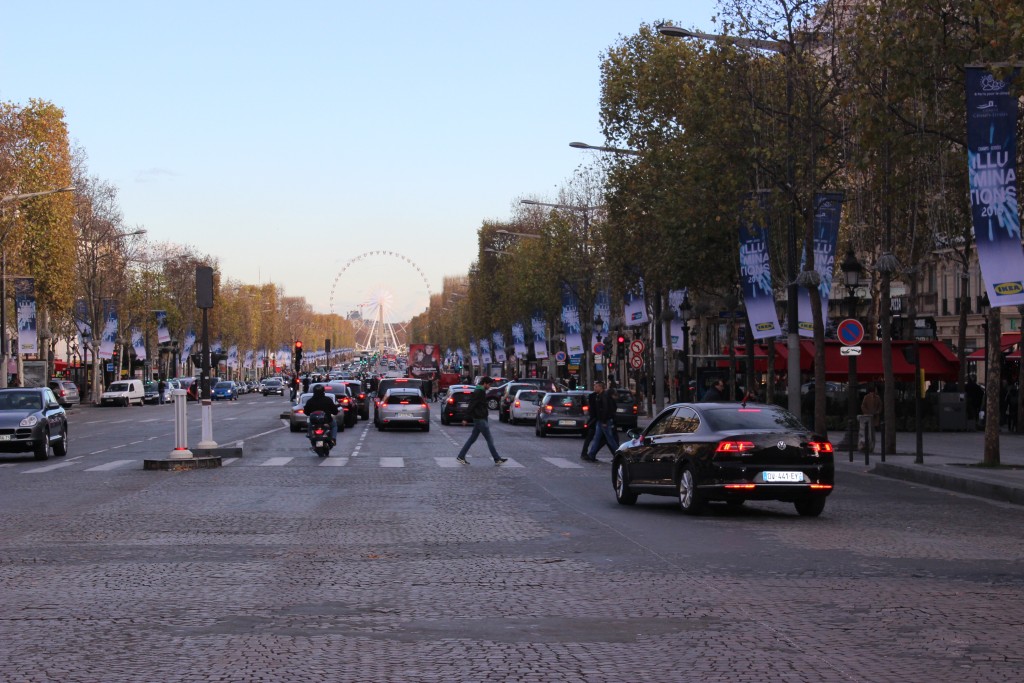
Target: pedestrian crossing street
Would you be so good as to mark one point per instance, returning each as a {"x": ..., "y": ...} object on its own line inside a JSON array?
[{"x": 310, "y": 460}]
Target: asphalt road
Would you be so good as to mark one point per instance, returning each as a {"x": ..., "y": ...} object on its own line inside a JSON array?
[{"x": 388, "y": 561}]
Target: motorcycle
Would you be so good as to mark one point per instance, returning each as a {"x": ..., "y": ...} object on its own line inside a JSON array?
[{"x": 320, "y": 432}]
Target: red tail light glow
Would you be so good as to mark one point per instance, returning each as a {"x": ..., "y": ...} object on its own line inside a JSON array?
[
  {"x": 821, "y": 487},
  {"x": 547, "y": 409},
  {"x": 404, "y": 403},
  {"x": 450, "y": 401},
  {"x": 820, "y": 446},
  {"x": 517, "y": 403},
  {"x": 586, "y": 409},
  {"x": 745, "y": 487},
  {"x": 734, "y": 447}
]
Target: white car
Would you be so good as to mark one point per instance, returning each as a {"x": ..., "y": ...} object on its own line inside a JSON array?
[
  {"x": 123, "y": 393},
  {"x": 525, "y": 405},
  {"x": 402, "y": 407}
]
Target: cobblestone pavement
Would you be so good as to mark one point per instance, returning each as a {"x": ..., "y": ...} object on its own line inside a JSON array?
[{"x": 434, "y": 573}]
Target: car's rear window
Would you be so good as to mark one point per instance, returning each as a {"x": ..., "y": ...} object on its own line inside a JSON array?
[
  {"x": 732, "y": 418},
  {"x": 567, "y": 401},
  {"x": 410, "y": 399}
]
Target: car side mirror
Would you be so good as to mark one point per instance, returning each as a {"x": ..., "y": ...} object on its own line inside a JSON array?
[
  {"x": 53, "y": 406},
  {"x": 633, "y": 434}
]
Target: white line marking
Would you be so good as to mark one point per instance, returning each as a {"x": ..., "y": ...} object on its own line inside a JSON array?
[
  {"x": 392, "y": 462},
  {"x": 334, "y": 462},
  {"x": 564, "y": 463},
  {"x": 227, "y": 461},
  {"x": 103, "y": 450},
  {"x": 109, "y": 466},
  {"x": 275, "y": 462},
  {"x": 116, "y": 447},
  {"x": 48, "y": 468},
  {"x": 135, "y": 442}
]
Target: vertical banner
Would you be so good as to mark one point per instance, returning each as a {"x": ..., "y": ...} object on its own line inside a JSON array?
[
  {"x": 163, "y": 335},
  {"x": 474, "y": 354},
  {"x": 460, "y": 357},
  {"x": 25, "y": 303},
  {"x": 233, "y": 356},
  {"x": 190, "y": 341},
  {"x": 602, "y": 311},
  {"x": 499, "y": 347},
  {"x": 756, "y": 278},
  {"x": 485, "y": 354},
  {"x": 138, "y": 344},
  {"x": 247, "y": 364},
  {"x": 81, "y": 315},
  {"x": 540, "y": 336},
  {"x": 217, "y": 347},
  {"x": 571, "y": 322},
  {"x": 519, "y": 340},
  {"x": 828, "y": 210},
  {"x": 635, "y": 312},
  {"x": 109, "y": 338},
  {"x": 675, "y": 298},
  {"x": 992, "y": 167}
]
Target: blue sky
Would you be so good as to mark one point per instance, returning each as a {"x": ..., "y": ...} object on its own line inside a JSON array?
[{"x": 287, "y": 139}]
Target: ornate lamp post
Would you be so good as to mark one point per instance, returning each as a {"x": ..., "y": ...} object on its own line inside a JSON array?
[
  {"x": 685, "y": 314},
  {"x": 851, "y": 275}
]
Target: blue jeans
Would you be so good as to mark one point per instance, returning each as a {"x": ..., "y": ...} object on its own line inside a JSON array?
[
  {"x": 604, "y": 432},
  {"x": 480, "y": 427}
]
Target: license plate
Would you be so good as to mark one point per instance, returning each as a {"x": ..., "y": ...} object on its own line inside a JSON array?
[
  {"x": 319, "y": 444},
  {"x": 567, "y": 423},
  {"x": 784, "y": 476},
  {"x": 620, "y": 410},
  {"x": 463, "y": 405},
  {"x": 403, "y": 415},
  {"x": 6, "y": 437}
]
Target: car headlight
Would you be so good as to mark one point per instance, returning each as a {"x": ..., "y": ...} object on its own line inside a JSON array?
[{"x": 29, "y": 421}]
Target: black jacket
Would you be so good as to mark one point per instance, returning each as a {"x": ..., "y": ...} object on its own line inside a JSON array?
[
  {"x": 322, "y": 403},
  {"x": 602, "y": 406},
  {"x": 478, "y": 403}
]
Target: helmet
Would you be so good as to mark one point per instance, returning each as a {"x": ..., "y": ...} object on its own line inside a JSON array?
[{"x": 318, "y": 390}]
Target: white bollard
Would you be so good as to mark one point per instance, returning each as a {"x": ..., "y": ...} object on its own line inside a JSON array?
[
  {"x": 207, "y": 427},
  {"x": 181, "y": 450}
]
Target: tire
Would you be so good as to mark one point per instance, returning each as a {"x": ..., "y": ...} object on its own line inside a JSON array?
[
  {"x": 426, "y": 428},
  {"x": 811, "y": 506},
  {"x": 690, "y": 499},
  {"x": 293, "y": 428},
  {"x": 61, "y": 449},
  {"x": 541, "y": 432},
  {"x": 623, "y": 495},
  {"x": 42, "y": 448},
  {"x": 492, "y": 404}
]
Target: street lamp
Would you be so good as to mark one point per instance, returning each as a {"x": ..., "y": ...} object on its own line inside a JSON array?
[
  {"x": 686, "y": 314},
  {"x": 610, "y": 150},
  {"x": 851, "y": 274},
  {"x": 527, "y": 235}
]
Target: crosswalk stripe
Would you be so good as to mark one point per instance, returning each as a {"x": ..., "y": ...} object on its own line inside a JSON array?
[
  {"x": 564, "y": 463},
  {"x": 109, "y": 466},
  {"x": 228, "y": 461},
  {"x": 334, "y": 462},
  {"x": 392, "y": 462},
  {"x": 49, "y": 468},
  {"x": 275, "y": 462}
]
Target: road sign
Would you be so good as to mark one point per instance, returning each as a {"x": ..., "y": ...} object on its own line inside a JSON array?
[
  {"x": 560, "y": 356},
  {"x": 849, "y": 351},
  {"x": 636, "y": 346},
  {"x": 598, "y": 349},
  {"x": 636, "y": 362},
  {"x": 850, "y": 332}
]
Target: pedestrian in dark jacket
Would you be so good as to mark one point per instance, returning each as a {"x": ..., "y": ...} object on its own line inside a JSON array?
[
  {"x": 603, "y": 414},
  {"x": 478, "y": 411},
  {"x": 716, "y": 392}
]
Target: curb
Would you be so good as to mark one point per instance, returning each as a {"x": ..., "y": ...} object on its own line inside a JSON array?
[{"x": 942, "y": 480}]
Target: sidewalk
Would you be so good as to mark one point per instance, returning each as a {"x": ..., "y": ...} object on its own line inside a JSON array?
[{"x": 950, "y": 462}]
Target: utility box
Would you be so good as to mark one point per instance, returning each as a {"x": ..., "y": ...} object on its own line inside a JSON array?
[{"x": 952, "y": 412}]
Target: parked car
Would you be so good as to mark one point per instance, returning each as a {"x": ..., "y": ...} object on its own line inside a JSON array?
[
  {"x": 455, "y": 404},
  {"x": 224, "y": 391},
  {"x": 626, "y": 408},
  {"x": 31, "y": 419},
  {"x": 525, "y": 406},
  {"x": 66, "y": 392},
  {"x": 731, "y": 452},
  {"x": 123, "y": 392},
  {"x": 403, "y": 407},
  {"x": 561, "y": 412},
  {"x": 297, "y": 419}
]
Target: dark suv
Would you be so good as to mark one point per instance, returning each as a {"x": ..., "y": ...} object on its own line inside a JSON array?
[
  {"x": 360, "y": 398},
  {"x": 509, "y": 393},
  {"x": 455, "y": 404},
  {"x": 626, "y": 409}
]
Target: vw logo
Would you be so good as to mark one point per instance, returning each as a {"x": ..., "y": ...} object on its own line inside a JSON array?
[{"x": 781, "y": 445}]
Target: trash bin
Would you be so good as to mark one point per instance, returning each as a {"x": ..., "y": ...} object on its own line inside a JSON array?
[
  {"x": 865, "y": 434},
  {"x": 952, "y": 412}
]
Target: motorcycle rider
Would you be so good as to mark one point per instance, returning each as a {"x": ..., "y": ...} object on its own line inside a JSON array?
[{"x": 319, "y": 401}]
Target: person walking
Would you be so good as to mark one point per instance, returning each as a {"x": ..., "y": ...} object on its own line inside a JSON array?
[
  {"x": 872, "y": 405},
  {"x": 479, "y": 412},
  {"x": 161, "y": 390},
  {"x": 603, "y": 412},
  {"x": 716, "y": 392}
]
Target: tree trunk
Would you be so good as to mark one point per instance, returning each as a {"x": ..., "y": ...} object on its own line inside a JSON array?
[
  {"x": 1020, "y": 372},
  {"x": 820, "y": 417},
  {"x": 889, "y": 396},
  {"x": 992, "y": 387}
]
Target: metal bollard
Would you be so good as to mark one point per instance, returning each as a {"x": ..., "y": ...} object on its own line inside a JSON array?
[{"x": 181, "y": 450}]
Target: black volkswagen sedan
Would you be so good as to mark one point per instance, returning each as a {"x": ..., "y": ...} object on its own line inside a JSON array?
[
  {"x": 731, "y": 452},
  {"x": 31, "y": 419}
]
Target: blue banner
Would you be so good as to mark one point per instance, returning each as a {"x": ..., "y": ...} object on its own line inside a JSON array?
[
  {"x": 138, "y": 344},
  {"x": 828, "y": 210},
  {"x": 474, "y": 355},
  {"x": 540, "y": 336},
  {"x": 992, "y": 164},
  {"x": 519, "y": 340},
  {"x": 25, "y": 303},
  {"x": 485, "y": 352},
  {"x": 108, "y": 339},
  {"x": 635, "y": 312},
  {"x": 163, "y": 335},
  {"x": 499, "y": 346},
  {"x": 675, "y": 299},
  {"x": 571, "y": 321},
  {"x": 756, "y": 278}
]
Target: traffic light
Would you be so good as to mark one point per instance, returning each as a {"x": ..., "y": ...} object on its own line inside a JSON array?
[
  {"x": 297, "y": 355},
  {"x": 620, "y": 346},
  {"x": 327, "y": 347}
]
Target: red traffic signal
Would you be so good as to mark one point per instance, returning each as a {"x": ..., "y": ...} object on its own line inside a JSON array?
[
  {"x": 622, "y": 339},
  {"x": 298, "y": 345}
]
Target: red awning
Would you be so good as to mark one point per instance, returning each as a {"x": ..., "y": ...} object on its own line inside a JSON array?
[
  {"x": 1007, "y": 340},
  {"x": 937, "y": 360}
]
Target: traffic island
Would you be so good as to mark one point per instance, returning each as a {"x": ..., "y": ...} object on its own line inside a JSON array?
[{"x": 197, "y": 462}]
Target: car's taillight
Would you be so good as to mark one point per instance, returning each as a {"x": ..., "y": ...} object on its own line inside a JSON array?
[
  {"x": 300, "y": 411},
  {"x": 404, "y": 403},
  {"x": 586, "y": 409},
  {"x": 362, "y": 396},
  {"x": 635, "y": 408},
  {"x": 820, "y": 447},
  {"x": 547, "y": 409},
  {"x": 734, "y": 447},
  {"x": 451, "y": 401},
  {"x": 517, "y": 404}
]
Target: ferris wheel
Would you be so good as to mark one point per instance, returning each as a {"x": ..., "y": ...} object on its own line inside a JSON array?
[{"x": 376, "y": 322}]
